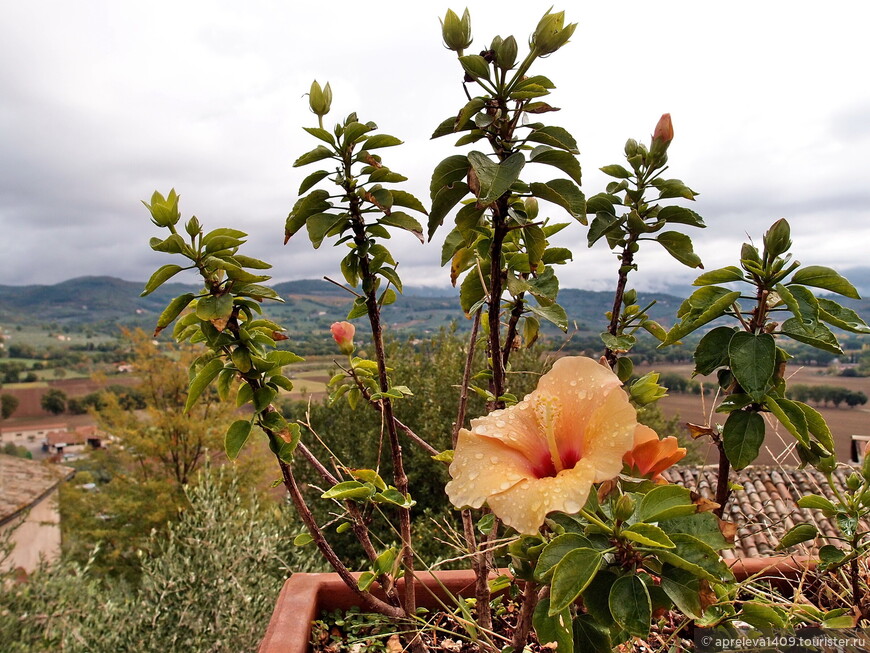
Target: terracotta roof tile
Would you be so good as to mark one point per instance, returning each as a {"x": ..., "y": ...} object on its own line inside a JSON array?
[
  {"x": 23, "y": 481},
  {"x": 766, "y": 506}
]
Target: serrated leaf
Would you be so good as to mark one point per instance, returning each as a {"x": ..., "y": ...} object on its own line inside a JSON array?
[
  {"x": 552, "y": 313},
  {"x": 817, "y": 335},
  {"x": 648, "y": 535},
  {"x": 697, "y": 557},
  {"x": 841, "y": 317},
  {"x": 555, "y": 550}
]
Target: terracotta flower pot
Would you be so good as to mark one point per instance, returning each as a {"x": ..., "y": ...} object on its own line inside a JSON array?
[{"x": 305, "y": 596}]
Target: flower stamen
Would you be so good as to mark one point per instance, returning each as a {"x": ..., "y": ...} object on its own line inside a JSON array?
[{"x": 548, "y": 409}]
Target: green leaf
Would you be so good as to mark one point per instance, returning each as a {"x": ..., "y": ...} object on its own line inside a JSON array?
[
  {"x": 648, "y": 535},
  {"x": 817, "y": 502},
  {"x": 236, "y": 437},
  {"x": 697, "y": 557},
  {"x": 365, "y": 580},
  {"x": 571, "y": 577},
  {"x": 714, "y": 302},
  {"x": 553, "y": 628},
  {"x": 320, "y": 133},
  {"x": 841, "y": 317},
  {"x": 322, "y": 225},
  {"x": 630, "y": 605},
  {"x": 554, "y": 136},
  {"x": 589, "y": 637},
  {"x": 790, "y": 416},
  {"x": 313, "y": 203},
  {"x": 495, "y": 178},
  {"x": 742, "y": 437},
  {"x": 350, "y": 491},
  {"x": 381, "y": 140},
  {"x": 471, "y": 291},
  {"x": 703, "y": 525},
  {"x": 722, "y": 275},
  {"x": 817, "y": 335},
  {"x": 680, "y": 215},
  {"x": 302, "y": 539},
  {"x": 618, "y": 343},
  {"x": 819, "y": 276},
  {"x": 817, "y": 426},
  {"x": 536, "y": 243},
  {"x": 450, "y": 170},
  {"x": 352, "y": 131},
  {"x": 680, "y": 247},
  {"x": 552, "y": 313},
  {"x": 556, "y": 549},
  {"x": 564, "y": 193},
  {"x": 684, "y": 589},
  {"x": 405, "y": 199},
  {"x": 797, "y": 534},
  {"x": 201, "y": 381},
  {"x": 753, "y": 361},
  {"x": 444, "y": 201},
  {"x": 403, "y": 221},
  {"x": 318, "y": 153},
  {"x": 172, "y": 245},
  {"x": 617, "y": 171},
  {"x": 565, "y": 161},
  {"x": 761, "y": 615},
  {"x": 173, "y": 310},
  {"x": 163, "y": 274},
  {"x": 602, "y": 224},
  {"x": 263, "y": 397},
  {"x": 665, "y": 502},
  {"x": 712, "y": 350}
]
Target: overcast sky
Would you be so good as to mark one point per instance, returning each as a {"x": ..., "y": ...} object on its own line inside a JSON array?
[{"x": 103, "y": 102}]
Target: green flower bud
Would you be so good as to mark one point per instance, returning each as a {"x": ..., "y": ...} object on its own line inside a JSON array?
[
  {"x": 630, "y": 147},
  {"x": 506, "y": 53},
  {"x": 630, "y": 297},
  {"x": 827, "y": 464},
  {"x": 646, "y": 389},
  {"x": 164, "y": 210},
  {"x": 865, "y": 465},
  {"x": 531, "y": 206},
  {"x": 551, "y": 34},
  {"x": 319, "y": 99},
  {"x": 624, "y": 508},
  {"x": 456, "y": 32},
  {"x": 192, "y": 227},
  {"x": 777, "y": 240},
  {"x": 853, "y": 482}
]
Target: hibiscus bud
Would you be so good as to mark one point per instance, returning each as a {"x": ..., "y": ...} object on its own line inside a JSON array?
[
  {"x": 506, "y": 53},
  {"x": 630, "y": 147},
  {"x": 827, "y": 464},
  {"x": 531, "y": 206},
  {"x": 662, "y": 137},
  {"x": 192, "y": 227},
  {"x": 777, "y": 240},
  {"x": 319, "y": 99},
  {"x": 853, "y": 482},
  {"x": 624, "y": 508},
  {"x": 342, "y": 333},
  {"x": 456, "y": 32},
  {"x": 551, "y": 34},
  {"x": 646, "y": 389},
  {"x": 865, "y": 467}
]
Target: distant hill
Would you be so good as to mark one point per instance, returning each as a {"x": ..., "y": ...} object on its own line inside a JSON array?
[{"x": 310, "y": 305}]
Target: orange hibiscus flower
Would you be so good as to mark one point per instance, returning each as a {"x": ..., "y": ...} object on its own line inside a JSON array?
[
  {"x": 545, "y": 452},
  {"x": 649, "y": 456}
]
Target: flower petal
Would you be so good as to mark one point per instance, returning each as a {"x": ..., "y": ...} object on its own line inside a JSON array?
[
  {"x": 481, "y": 467},
  {"x": 525, "y": 505}
]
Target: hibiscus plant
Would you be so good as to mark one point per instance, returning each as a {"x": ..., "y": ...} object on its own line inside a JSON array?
[{"x": 564, "y": 483}]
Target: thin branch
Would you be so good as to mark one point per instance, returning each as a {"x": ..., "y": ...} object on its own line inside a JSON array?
[{"x": 343, "y": 287}]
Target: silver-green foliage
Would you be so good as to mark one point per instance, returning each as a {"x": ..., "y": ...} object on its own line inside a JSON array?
[{"x": 211, "y": 587}]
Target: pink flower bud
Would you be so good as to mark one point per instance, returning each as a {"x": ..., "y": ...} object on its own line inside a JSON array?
[
  {"x": 664, "y": 132},
  {"x": 342, "y": 333}
]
